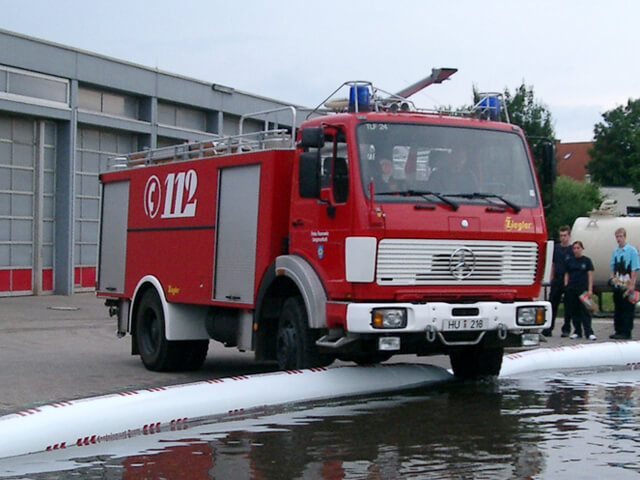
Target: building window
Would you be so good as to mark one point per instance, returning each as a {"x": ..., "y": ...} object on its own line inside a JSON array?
[
  {"x": 163, "y": 142},
  {"x": 110, "y": 103},
  {"x": 22, "y": 83},
  {"x": 182, "y": 117}
]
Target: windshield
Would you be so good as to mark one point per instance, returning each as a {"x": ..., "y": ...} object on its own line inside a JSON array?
[{"x": 407, "y": 162}]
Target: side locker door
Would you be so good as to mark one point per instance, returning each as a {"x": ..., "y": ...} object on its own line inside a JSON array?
[
  {"x": 113, "y": 237},
  {"x": 236, "y": 234}
]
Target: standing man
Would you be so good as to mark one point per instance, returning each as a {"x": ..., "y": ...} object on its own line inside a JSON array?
[
  {"x": 624, "y": 268},
  {"x": 561, "y": 253}
]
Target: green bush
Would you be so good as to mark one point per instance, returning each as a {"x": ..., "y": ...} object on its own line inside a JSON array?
[{"x": 571, "y": 199}]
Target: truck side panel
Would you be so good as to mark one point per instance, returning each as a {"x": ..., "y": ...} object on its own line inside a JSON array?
[
  {"x": 113, "y": 237},
  {"x": 170, "y": 228},
  {"x": 236, "y": 233}
]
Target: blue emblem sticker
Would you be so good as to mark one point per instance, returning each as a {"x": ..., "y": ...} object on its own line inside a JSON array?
[{"x": 320, "y": 251}]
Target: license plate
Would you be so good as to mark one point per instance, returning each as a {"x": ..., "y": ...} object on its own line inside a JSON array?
[{"x": 461, "y": 324}]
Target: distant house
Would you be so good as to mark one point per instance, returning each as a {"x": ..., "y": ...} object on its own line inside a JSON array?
[{"x": 572, "y": 160}]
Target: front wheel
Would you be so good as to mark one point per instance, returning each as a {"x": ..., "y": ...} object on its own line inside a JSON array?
[
  {"x": 295, "y": 342},
  {"x": 476, "y": 361},
  {"x": 372, "y": 358}
]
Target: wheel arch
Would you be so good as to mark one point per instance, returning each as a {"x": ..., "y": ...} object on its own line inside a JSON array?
[
  {"x": 308, "y": 283},
  {"x": 147, "y": 282},
  {"x": 286, "y": 277},
  {"x": 182, "y": 321}
]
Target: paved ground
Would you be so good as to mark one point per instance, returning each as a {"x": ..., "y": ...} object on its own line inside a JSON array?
[
  {"x": 56, "y": 348},
  {"x": 61, "y": 348}
]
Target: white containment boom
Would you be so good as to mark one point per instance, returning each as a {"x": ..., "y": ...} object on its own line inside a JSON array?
[
  {"x": 90, "y": 421},
  {"x": 581, "y": 355}
]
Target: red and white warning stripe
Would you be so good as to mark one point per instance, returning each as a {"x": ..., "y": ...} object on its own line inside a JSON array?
[
  {"x": 89, "y": 422},
  {"x": 86, "y": 422}
]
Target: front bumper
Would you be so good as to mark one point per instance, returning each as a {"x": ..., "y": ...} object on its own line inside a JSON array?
[{"x": 441, "y": 317}]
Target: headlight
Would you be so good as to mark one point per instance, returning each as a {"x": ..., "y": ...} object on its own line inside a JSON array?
[
  {"x": 530, "y": 316},
  {"x": 389, "y": 318}
]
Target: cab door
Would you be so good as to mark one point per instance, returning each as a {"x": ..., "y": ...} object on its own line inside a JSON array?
[{"x": 321, "y": 224}]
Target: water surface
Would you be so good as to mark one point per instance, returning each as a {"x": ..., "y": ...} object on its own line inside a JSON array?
[{"x": 579, "y": 424}]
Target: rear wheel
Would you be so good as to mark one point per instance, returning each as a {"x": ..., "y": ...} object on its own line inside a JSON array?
[
  {"x": 295, "y": 343},
  {"x": 194, "y": 353},
  {"x": 157, "y": 353},
  {"x": 476, "y": 361}
]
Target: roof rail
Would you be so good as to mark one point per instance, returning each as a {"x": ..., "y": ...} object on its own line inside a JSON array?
[
  {"x": 364, "y": 97},
  {"x": 267, "y": 139}
]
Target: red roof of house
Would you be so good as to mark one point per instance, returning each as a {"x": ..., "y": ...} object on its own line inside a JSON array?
[{"x": 572, "y": 159}]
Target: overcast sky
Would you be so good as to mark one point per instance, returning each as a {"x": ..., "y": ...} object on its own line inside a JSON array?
[{"x": 580, "y": 56}]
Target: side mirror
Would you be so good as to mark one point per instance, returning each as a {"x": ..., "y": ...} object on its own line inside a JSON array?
[
  {"x": 548, "y": 163},
  {"x": 309, "y": 174},
  {"x": 312, "y": 137}
]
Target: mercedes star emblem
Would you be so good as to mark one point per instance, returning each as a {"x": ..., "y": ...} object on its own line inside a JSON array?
[{"x": 462, "y": 263}]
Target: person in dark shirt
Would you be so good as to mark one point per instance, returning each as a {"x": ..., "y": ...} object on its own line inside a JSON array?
[
  {"x": 561, "y": 253},
  {"x": 578, "y": 279}
]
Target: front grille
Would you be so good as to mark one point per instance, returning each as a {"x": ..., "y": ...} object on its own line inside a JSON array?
[{"x": 429, "y": 262}]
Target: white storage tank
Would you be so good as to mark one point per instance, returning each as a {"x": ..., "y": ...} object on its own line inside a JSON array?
[{"x": 597, "y": 233}]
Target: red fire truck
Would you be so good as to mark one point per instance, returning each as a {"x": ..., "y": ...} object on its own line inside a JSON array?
[{"x": 373, "y": 229}]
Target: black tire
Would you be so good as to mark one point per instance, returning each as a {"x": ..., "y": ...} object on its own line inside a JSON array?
[
  {"x": 157, "y": 353},
  {"x": 194, "y": 353},
  {"x": 295, "y": 342},
  {"x": 476, "y": 361},
  {"x": 372, "y": 358}
]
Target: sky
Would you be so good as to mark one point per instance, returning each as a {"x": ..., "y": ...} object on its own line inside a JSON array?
[{"x": 579, "y": 57}]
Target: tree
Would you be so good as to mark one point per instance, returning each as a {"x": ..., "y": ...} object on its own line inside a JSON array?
[
  {"x": 571, "y": 199},
  {"x": 525, "y": 111},
  {"x": 615, "y": 156},
  {"x": 535, "y": 120},
  {"x": 528, "y": 113}
]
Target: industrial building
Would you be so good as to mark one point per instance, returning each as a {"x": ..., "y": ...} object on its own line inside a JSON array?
[{"x": 63, "y": 113}]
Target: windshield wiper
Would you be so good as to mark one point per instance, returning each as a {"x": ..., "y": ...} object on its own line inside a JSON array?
[
  {"x": 439, "y": 196},
  {"x": 422, "y": 193},
  {"x": 513, "y": 206}
]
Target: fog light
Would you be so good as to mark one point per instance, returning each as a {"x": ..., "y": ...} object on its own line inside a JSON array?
[
  {"x": 530, "y": 316},
  {"x": 389, "y": 343},
  {"x": 530, "y": 339},
  {"x": 389, "y": 318}
]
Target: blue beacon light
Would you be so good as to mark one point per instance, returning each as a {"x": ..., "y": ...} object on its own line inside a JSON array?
[
  {"x": 362, "y": 95},
  {"x": 492, "y": 105}
]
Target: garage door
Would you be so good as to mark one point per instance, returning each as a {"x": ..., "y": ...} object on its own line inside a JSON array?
[{"x": 27, "y": 185}]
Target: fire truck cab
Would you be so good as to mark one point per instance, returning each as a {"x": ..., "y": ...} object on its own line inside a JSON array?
[{"x": 373, "y": 230}]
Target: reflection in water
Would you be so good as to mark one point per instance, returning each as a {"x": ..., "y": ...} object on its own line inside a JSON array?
[{"x": 530, "y": 427}]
